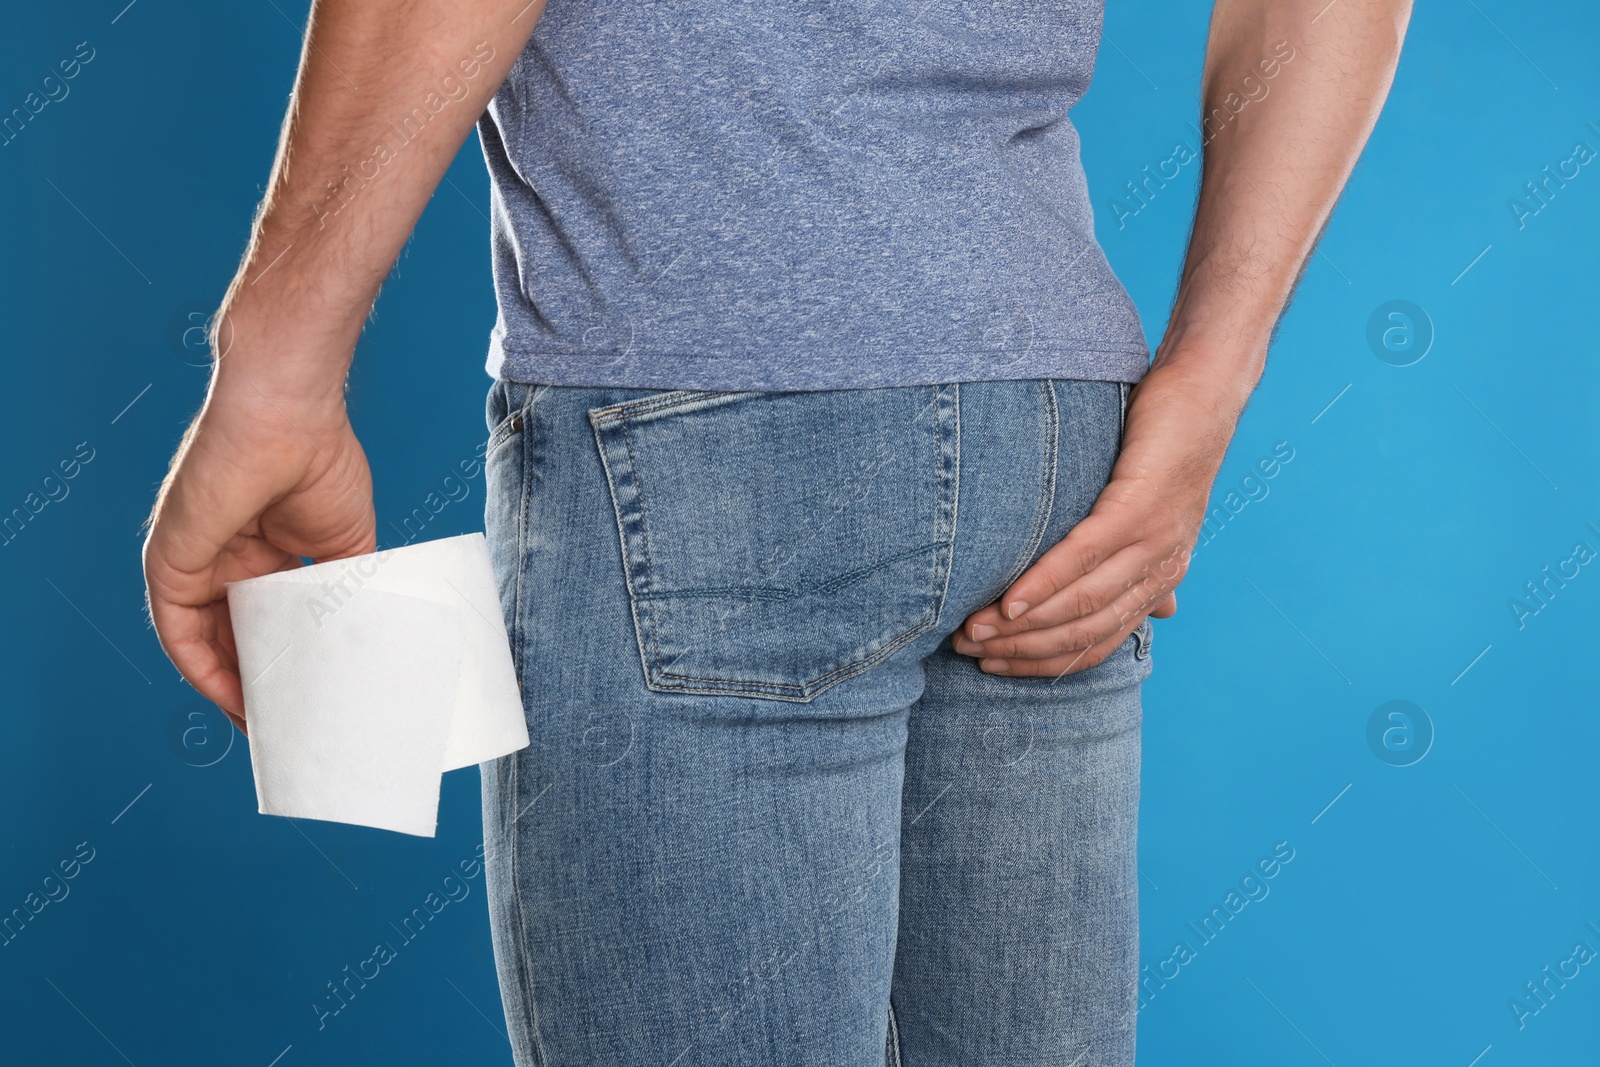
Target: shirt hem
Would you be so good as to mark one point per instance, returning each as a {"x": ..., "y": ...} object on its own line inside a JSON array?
[{"x": 809, "y": 372}]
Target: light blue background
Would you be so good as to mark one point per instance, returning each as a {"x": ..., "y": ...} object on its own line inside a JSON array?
[{"x": 1379, "y": 566}]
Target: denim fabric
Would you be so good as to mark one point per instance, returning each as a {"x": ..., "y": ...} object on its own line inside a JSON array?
[{"x": 768, "y": 815}]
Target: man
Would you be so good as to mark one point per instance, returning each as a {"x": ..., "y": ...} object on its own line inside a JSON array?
[{"x": 807, "y": 360}]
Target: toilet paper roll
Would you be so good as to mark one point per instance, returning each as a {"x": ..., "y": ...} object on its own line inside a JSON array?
[{"x": 365, "y": 679}]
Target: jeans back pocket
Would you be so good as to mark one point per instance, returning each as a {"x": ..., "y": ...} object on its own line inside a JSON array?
[{"x": 777, "y": 543}]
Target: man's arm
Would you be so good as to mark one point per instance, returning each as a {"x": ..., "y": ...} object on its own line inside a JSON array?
[
  {"x": 270, "y": 471},
  {"x": 1273, "y": 170}
]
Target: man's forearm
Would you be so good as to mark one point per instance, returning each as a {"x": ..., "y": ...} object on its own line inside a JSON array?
[
  {"x": 1290, "y": 93},
  {"x": 385, "y": 96}
]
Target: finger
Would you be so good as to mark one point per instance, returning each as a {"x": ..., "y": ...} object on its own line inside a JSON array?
[
  {"x": 1052, "y": 610},
  {"x": 1062, "y": 665},
  {"x": 1069, "y": 638},
  {"x": 1091, "y": 542},
  {"x": 189, "y": 610},
  {"x": 1133, "y": 579},
  {"x": 190, "y": 639},
  {"x": 1130, "y": 575}
]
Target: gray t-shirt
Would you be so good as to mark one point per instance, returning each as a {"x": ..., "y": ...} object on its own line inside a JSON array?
[{"x": 800, "y": 194}]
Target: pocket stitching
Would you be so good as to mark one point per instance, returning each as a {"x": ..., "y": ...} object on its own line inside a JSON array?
[
  {"x": 944, "y": 501},
  {"x": 894, "y": 643},
  {"x": 617, "y": 417},
  {"x": 513, "y": 423},
  {"x": 783, "y": 593},
  {"x": 650, "y": 405},
  {"x": 644, "y": 540},
  {"x": 1141, "y": 638}
]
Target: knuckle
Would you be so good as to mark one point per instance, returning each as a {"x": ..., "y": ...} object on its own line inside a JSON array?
[
  {"x": 1074, "y": 639},
  {"x": 1081, "y": 602},
  {"x": 1026, "y": 623},
  {"x": 1000, "y": 648}
]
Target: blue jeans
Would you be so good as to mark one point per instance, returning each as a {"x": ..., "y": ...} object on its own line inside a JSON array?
[{"x": 769, "y": 818}]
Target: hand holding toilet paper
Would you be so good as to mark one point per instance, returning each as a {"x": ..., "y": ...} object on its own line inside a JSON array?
[{"x": 365, "y": 679}]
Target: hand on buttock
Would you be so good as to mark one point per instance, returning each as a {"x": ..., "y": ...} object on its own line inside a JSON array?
[{"x": 1124, "y": 561}]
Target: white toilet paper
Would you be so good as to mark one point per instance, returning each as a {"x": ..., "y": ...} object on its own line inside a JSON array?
[{"x": 365, "y": 679}]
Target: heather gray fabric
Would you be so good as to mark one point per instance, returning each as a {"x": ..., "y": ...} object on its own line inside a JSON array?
[{"x": 798, "y": 195}]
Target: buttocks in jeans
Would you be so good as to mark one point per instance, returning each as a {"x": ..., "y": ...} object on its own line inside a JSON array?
[{"x": 769, "y": 818}]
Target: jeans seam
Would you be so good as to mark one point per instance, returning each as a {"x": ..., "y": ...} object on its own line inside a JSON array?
[
  {"x": 950, "y": 453},
  {"x": 524, "y": 475},
  {"x": 644, "y": 542},
  {"x": 892, "y": 1056},
  {"x": 525, "y": 978},
  {"x": 1041, "y": 517}
]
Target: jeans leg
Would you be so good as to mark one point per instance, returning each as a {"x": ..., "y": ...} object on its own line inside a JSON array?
[
  {"x": 1018, "y": 922},
  {"x": 676, "y": 878}
]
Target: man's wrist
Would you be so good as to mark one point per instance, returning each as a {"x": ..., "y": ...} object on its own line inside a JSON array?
[
  {"x": 272, "y": 346},
  {"x": 1217, "y": 373}
]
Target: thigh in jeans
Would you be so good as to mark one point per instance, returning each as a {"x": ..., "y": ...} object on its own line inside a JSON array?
[
  {"x": 718, "y": 604},
  {"x": 1018, "y": 923}
]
